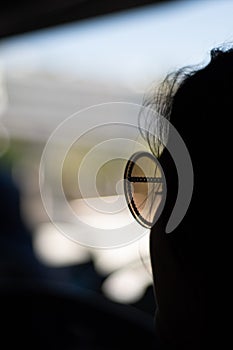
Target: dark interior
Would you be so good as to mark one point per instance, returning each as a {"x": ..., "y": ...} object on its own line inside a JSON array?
[{"x": 18, "y": 17}]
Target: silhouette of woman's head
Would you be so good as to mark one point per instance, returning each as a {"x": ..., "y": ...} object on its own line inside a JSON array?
[{"x": 198, "y": 102}]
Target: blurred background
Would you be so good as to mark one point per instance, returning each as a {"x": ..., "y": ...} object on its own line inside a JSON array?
[{"x": 58, "y": 57}]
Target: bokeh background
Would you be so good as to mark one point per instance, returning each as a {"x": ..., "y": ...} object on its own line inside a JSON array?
[{"x": 58, "y": 57}]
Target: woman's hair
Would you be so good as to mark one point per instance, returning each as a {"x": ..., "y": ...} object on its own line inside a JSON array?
[
  {"x": 157, "y": 103},
  {"x": 159, "y": 99}
]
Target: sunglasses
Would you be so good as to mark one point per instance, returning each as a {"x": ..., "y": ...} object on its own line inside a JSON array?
[{"x": 144, "y": 185}]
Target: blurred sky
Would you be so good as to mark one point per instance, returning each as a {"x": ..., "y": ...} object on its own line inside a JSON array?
[{"x": 131, "y": 48}]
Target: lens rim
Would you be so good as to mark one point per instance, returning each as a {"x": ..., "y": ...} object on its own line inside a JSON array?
[{"x": 127, "y": 187}]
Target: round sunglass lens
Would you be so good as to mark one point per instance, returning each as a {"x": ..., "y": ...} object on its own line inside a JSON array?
[{"x": 143, "y": 187}]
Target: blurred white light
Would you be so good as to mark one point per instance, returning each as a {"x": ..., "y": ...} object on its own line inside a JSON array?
[
  {"x": 110, "y": 260},
  {"x": 127, "y": 285},
  {"x": 54, "y": 249}
]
